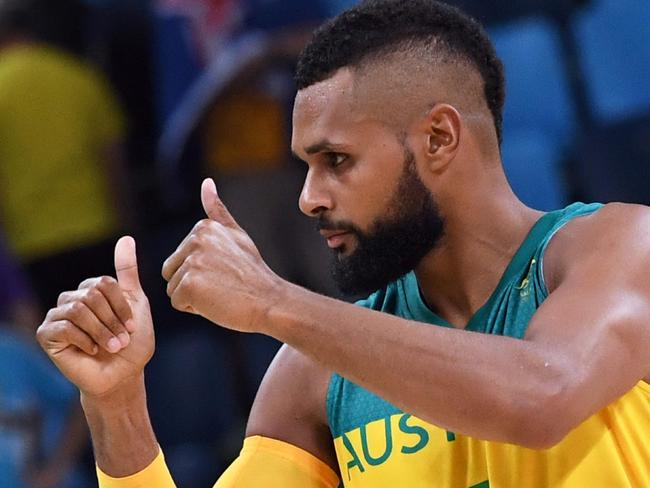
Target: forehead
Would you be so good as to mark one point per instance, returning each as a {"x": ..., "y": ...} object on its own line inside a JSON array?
[{"x": 327, "y": 111}]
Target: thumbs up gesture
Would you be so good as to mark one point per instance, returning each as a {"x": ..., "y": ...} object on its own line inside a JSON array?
[
  {"x": 101, "y": 334},
  {"x": 218, "y": 273}
]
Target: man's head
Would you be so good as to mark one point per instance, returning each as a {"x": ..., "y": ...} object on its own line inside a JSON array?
[{"x": 390, "y": 94}]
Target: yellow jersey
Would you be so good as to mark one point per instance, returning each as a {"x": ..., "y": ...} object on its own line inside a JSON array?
[{"x": 377, "y": 445}]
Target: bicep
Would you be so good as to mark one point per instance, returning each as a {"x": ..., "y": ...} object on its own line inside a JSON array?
[
  {"x": 594, "y": 327},
  {"x": 290, "y": 405}
]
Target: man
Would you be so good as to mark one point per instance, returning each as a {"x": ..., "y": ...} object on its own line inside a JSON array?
[
  {"x": 61, "y": 133},
  {"x": 504, "y": 347}
]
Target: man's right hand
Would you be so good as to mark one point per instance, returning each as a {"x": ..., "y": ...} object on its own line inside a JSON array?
[{"x": 101, "y": 335}]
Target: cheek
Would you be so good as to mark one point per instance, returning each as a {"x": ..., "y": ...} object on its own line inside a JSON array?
[{"x": 367, "y": 190}]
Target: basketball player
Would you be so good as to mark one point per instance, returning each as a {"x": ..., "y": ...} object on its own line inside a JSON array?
[{"x": 504, "y": 347}]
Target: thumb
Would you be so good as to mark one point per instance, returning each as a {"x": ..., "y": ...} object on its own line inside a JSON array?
[
  {"x": 213, "y": 206},
  {"x": 126, "y": 265}
]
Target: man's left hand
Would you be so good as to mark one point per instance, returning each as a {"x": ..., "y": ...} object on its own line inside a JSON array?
[{"x": 218, "y": 273}]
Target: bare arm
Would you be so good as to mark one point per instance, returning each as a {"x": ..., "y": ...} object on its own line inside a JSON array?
[
  {"x": 445, "y": 376},
  {"x": 101, "y": 337},
  {"x": 290, "y": 405},
  {"x": 588, "y": 344},
  {"x": 123, "y": 438},
  {"x": 288, "y": 442}
]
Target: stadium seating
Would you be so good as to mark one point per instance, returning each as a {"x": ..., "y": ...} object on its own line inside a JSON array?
[
  {"x": 613, "y": 162},
  {"x": 613, "y": 156},
  {"x": 539, "y": 119},
  {"x": 613, "y": 37}
]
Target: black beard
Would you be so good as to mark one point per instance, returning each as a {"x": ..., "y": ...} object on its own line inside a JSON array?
[{"x": 396, "y": 243}]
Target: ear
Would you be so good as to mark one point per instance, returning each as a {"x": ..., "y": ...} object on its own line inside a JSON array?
[{"x": 443, "y": 132}]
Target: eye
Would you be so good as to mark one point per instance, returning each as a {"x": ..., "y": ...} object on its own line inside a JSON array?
[{"x": 336, "y": 159}]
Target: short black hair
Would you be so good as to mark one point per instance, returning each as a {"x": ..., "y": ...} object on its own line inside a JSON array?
[{"x": 378, "y": 27}]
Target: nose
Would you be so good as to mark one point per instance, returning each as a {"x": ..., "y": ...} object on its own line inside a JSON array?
[{"x": 314, "y": 198}]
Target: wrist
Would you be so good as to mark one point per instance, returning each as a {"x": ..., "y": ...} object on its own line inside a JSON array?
[
  {"x": 129, "y": 395},
  {"x": 274, "y": 298},
  {"x": 280, "y": 312},
  {"x": 123, "y": 440}
]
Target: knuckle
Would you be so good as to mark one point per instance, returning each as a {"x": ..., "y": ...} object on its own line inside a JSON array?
[
  {"x": 192, "y": 261},
  {"x": 42, "y": 332},
  {"x": 105, "y": 282},
  {"x": 170, "y": 289},
  {"x": 179, "y": 296},
  {"x": 206, "y": 226},
  {"x": 194, "y": 241},
  {"x": 187, "y": 283},
  {"x": 93, "y": 296},
  {"x": 87, "y": 283},
  {"x": 177, "y": 300},
  {"x": 49, "y": 314},
  {"x": 63, "y": 297},
  {"x": 77, "y": 309}
]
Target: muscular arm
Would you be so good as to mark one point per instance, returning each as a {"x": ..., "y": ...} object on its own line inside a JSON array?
[
  {"x": 290, "y": 405},
  {"x": 290, "y": 408},
  {"x": 587, "y": 344}
]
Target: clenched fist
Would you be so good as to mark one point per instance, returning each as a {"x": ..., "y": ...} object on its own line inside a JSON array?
[
  {"x": 101, "y": 334},
  {"x": 218, "y": 273}
]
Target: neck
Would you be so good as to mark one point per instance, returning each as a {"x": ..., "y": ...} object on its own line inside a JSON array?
[{"x": 482, "y": 234}]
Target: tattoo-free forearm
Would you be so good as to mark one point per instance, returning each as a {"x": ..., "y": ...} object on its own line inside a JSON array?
[
  {"x": 123, "y": 438},
  {"x": 475, "y": 384}
]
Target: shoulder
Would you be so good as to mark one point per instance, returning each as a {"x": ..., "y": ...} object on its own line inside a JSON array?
[
  {"x": 617, "y": 235},
  {"x": 291, "y": 404}
]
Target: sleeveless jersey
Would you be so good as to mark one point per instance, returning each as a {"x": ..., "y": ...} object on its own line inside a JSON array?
[{"x": 378, "y": 445}]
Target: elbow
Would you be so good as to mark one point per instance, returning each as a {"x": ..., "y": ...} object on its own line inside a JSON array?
[
  {"x": 545, "y": 418},
  {"x": 540, "y": 434}
]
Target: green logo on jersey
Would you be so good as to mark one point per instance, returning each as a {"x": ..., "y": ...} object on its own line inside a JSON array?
[{"x": 421, "y": 439}]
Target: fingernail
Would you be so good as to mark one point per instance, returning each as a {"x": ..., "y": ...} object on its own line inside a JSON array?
[
  {"x": 95, "y": 349},
  {"x": 130, "y": 325},
  {"x": 114, "y": 344},
  {"x": 124, "y": 339}
]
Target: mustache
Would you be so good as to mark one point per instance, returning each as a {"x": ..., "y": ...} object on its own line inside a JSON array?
[{"x": 324, "y": 223}]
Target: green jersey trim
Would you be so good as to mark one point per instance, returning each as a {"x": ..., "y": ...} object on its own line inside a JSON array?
[{"x": 349, "y": 406}]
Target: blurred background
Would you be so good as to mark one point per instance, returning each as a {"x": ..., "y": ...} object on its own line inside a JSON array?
[{"x": 111, "y": 113}]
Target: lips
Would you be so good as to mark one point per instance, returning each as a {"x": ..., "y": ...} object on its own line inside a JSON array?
[{"x": 335, "y": 238}]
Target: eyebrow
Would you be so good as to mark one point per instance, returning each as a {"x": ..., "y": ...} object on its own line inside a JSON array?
[{"x": 322, "y": 146}]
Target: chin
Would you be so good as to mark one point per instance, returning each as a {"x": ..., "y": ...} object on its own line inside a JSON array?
[{"x": 344, "y": 252}]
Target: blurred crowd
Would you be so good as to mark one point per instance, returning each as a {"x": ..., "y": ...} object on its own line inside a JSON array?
[{"x": 111, "y": 113}]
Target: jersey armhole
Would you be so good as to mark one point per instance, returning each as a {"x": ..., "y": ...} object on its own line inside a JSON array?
[{"x": 541, "y": 253}]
